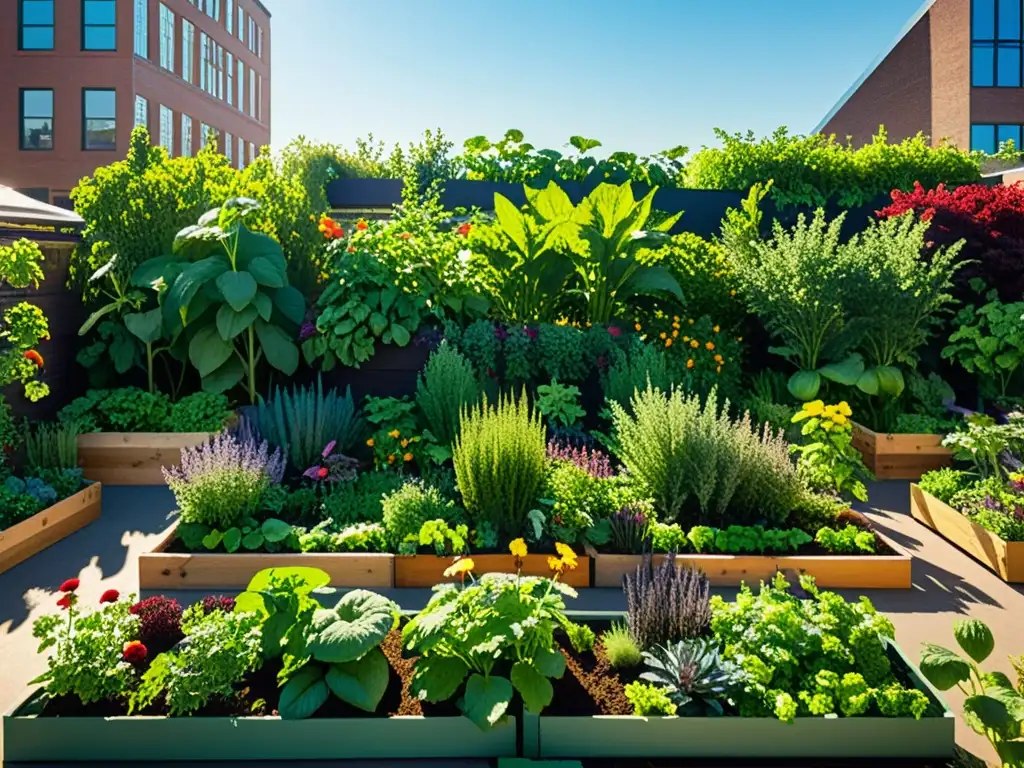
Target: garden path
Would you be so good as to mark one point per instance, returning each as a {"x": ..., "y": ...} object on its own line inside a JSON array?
[{"x": 947, "y": 585}]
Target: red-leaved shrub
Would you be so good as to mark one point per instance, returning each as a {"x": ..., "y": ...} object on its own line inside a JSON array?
[
  {"x": 213, "y": 603},
  {"x": 159, "y": 623},
  {"x": 989, "y": 219}
]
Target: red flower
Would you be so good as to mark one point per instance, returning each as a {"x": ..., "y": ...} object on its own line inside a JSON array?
[
  {"x": 614, "y": 331},
  {"x": 134, "y": 652},
  {"x": 65, "y": 602},
  {"x": 35, "y": 357},
  {"x": 110, "y": 596},
  {"x": 70, "y": 585},
  {"x": 322, "y": 472},
  {"x": 464, "y": 229},
  {"x": 360, "y": 225},
  {"x": 351, "y": 249}
]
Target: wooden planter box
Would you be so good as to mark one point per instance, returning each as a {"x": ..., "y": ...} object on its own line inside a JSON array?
[
  {"x": 161, "y": 570},
  {"x": 755, "y": 738},
  {"x": 900, "y": 457},
  {"x": 1006, "y": 558},
  {"x": 428, "y": 570},
  {"x": 21, "y": 541},
  {"x": 133, "y": 458},
  {"x": 829, "y": 571},
  {"x": 28, "y": 738}
]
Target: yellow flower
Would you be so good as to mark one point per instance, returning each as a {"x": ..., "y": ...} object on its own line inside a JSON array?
[
  {"x": 718, "y": 359},
  {"x": 689, "y": 363},
  {"x": 844, "y": 408},
  {"x": 405, "y": 443},
  {"x": 370, "y": 442},
  {"x": 394, "y": 433},
  {"x": 555, "y": 564},
  {"x": 732, "y": 293},
  {"x": 690, "y": 322},
  {"x": 637, "y": 326},
  {"x": 718, "y": 369},
  {"x": 460, "y": 566},
  {"x": 716, "y": 329},
  {"x": 694, "y": 343},
  {"x": 675, "y": 318},
  {"x": 709, "y": 346},
  {"x": 676, "y": 325},
  {"x": 517, "y": 547},
  {"x": 675, "y": 334},
  {"x": 815, "y": 408},
  {"x": 668, "y": 342},
  {"x": 827, "y": 426},
  {"x": 662, "y": 335},
  {"x": 739, "y": 338},
  {"x": 407, "y": 457},
  {"x": 562, "y": 321},
  {"x": 839, "y": 419},
  {"x": 686, "y": 338}
]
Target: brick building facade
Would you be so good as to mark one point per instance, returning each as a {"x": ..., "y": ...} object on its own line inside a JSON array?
[
  {"x": 955, "y": 72},
  {"x": 76, "y": 76}
]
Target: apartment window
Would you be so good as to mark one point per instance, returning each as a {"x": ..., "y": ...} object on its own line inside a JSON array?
[
  {"x": 252, "y": 34},
  {"x": 167, "y": 37},
  {"x": 36, "y": 32},
  {"x": 211, "y": 8},
  {"x": 204, "y": 130},
  {"x": 241, "y": 153},
  {"x": 252, "y": 151},
  {"x": 252, "y": 93},
  {"x": 259, "y": 98},
  {"x": 229, "y": 144},
  {"x": 167, "y": 128},
  {"x": 99, "y": 118},
  {"x": 188, "y": 50},
  {"x": 987, "y": 137},
  {"x": 259, "y": 42},
  {"x": 204, "y": 43},
  {"x": 241, "y": 86},
  {"x": 142, "y": 28},
  {"x": 996, "y": 43},
  {"x": 99, "y": 25},
  {"x": 141, "y": 112},
  {"x": 186, "y": 135},
  {"x": 229, "y": 16},
  {"x": 241, "y": 24},
  {"x": 211, "y": 66},
  {"x": 229, "y": 73},
  {"x": 36, "y": 118}
]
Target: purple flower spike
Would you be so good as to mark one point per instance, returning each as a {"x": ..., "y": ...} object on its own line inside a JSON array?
[
  {"x": 307, "y": 331},
  {"x": 329, "y": 449}
]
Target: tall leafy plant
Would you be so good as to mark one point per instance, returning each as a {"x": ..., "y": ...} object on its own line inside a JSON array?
[
  {"x": 226, "y": 290},
  {"x": 446, "y": 386},
  {"x": 23, "y": 325}
]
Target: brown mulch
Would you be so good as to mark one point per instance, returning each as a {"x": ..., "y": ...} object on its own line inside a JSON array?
[{"x": 590, "y": 686}]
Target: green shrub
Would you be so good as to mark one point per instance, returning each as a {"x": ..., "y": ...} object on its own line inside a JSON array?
[
  {"x": 649, "y": 700},
  {"x": 445, "y": 387},
  {"x": 638, "y": 366},
  {"x": 848, "y": 540},
  {"x": 52, "y": 446},
  {"x": 703, "y": 271},
  {"x": 499, "y": 463},
  {"x": 944, "y": 483},
  {"x": 581, "y": 637},
  {"x": 700, "y": 466},
  {"x": 346, "y": 504},
  {"x": 620, "y": 647},
  {"x": 301, "y": 421},
  {"x": 407, "y": 509},
  {"x": 200, "y": 412}
]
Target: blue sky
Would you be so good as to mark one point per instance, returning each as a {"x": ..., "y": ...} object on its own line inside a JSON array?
[{"x": 639, "y": 75}]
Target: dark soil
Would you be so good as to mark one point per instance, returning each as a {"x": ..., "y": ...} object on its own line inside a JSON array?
[
  {"x": 590, "y": 686},
  {"x": 259, "y": 695}
]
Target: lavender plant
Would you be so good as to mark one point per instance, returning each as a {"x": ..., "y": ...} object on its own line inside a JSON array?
[
  {"x": 593, "y": 460},
  {"x": 630, "y": 533},
  {"x": 666, "y": 604},
  {"x": 222, "y": 482},
  {"x": 332, "y": 467}
]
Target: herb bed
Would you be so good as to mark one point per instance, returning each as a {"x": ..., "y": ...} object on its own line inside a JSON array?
[
  {"x": 900, "y": 457},
  {"x": 25, "y": 539}
]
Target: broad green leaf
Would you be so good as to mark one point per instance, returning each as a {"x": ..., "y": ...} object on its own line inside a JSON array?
[
  {"x": 983, "y": 713},
  {"x": 147, "y": 327},
  {"x": 845, "y": 372},
  {"x": 263, "y": 305},
  {"x": 224, "y": 378},
  {"x": 486, "y": 700},
  {"x": 275, "y": 530},
  {"x": 151, "y": 271},
  {"x": 250, "y": 602},
  {"x": 213, "y": 539},
  {"x": 512, "y": 222},
  {"x": 231, "y": 323},
  {"x": 359, "y": 622},
  {"x": 378, "y": 323},
  {"x": 360, "y": 683},
  {"x": 975, "y": 638},
  {"x": 584, "y": 145},
  {"x": 1011, "y": 752},
  {"x": 647, "y": 281},
  {"x": 868, "y": 382},
  {"x": 1010, "y": 698},
  {"x": 437, "y": 678},
  {"x": 890, "y": 380},
  {"x": 942, "y": 667},
  {"x": 400, "y": 334},
  {"x": 550, "y": 663},
  {"x": 804, "y": 385},
  {"x": 251, "y": 245},
  {"x": 208, "y": 351},
  {"x": 290, "y": 303},
  {"x": 265, "y": 272},
  {"x": 307, "y": 578},
  {"x": 232, "y": 539},
  {"x": 187, "y": 285},
  {"x": 253, "y": 540},
  {"x": 280, "y": 349},
  {"x": 552, "y": 204},
  {"x": 98, "y": 315},
  {"x": 238, "y": 288},
  {"x": 304, "y": 694},
  {"x": 535, "y": 689}
]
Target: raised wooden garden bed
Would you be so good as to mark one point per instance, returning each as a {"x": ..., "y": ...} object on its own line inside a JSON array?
[
  {"x": 829, "y": 571},
  {"x": 21, "y": 541},
  {"x": 900, "y": 457},
  {"x": 29, "y": 738},
  {"x": 162, "y": 570},
  {"x": 428, "y": 570},
  {"x": 1006, "y": 558},
  {"x": 133, "y": 458}
]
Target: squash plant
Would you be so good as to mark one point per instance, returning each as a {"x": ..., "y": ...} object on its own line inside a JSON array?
[{"x": 224, "y": 290}]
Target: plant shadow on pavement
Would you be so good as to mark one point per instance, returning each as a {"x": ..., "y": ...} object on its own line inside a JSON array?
[{"x": 129, "y": 512}]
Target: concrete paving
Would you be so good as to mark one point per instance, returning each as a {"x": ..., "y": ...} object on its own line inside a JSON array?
[{"x": 947, "y": 585}]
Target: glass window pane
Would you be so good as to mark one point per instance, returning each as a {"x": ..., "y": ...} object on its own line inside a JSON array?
[
  {"x": 37, "y": 103},
  {"x": 1009, "y": 19},
  {"x": 100, "y": 12},
  {"x": 100, "y": 104},
  {"x": 37, "y": 133},
  {"x": 984, "y": 19},
  {"x": 100, "y": 38},
  {"x": 100, "y": 134},
  {"x": 982, "y": 64},
  {"x": 37, "y": 38},
  {"x": 1008, "y": 133},
  {"x": 983, "y": 137},
  {"x": 37, "y": 12},
  {"x": 1008, "y": 66}
]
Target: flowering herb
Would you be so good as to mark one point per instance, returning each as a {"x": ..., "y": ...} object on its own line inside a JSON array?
[{"x": 333, "y": 467}]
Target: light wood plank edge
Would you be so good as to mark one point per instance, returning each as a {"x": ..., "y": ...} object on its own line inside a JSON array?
[
  {"x": 424, "y": 571},
  {"x": 29, "y": 537}
]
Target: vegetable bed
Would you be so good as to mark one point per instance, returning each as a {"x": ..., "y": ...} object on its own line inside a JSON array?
[
  {"x": 900, "y": 457},
  {"x": 22, "y": 540}
]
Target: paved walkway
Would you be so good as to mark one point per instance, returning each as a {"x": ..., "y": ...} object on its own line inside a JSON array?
[{"x": 947, "y": 585}]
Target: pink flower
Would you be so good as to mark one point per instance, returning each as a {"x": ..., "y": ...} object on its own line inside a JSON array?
[{"x": 614, "y": 331}]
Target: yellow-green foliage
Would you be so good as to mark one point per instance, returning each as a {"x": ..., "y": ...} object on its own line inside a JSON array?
[{"x": 705, "y": 275}]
